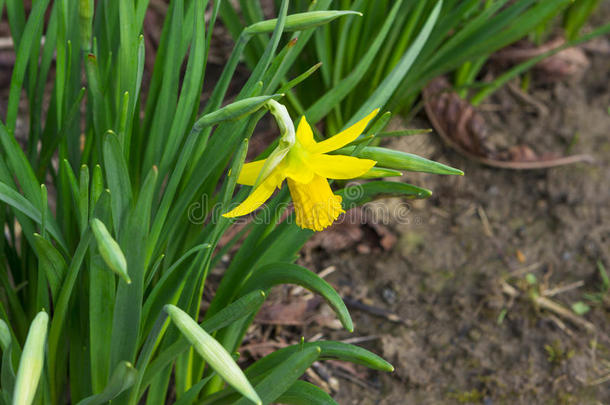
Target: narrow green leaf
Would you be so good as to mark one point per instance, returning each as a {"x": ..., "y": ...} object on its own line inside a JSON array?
[
  {"x": 377, "y": 172},
  {"x": 31, "y": 36},
  {"x": 127, "y": 319},
  {"x": 285, "y": 374},
  {"x": 329, "y": 350},
  {"x": 32, "y": 361},
  {"x": 388, "y": 86},
  {"x": 304, "y": 393},
  {"x": 102, "y": 290},
  {"x": 213, "y": 353},
  {"x": 400, "y": 160},
  {"x": 166, "y": 288},
  {"x": 190, "y": 92},
  {"x": 338, "y": 92},
  {"x": 5, "y": 336},
  {"x": 21, "y": 204},
  {"x": 117, "y": 176},
  {"x": 7, "y": 376},
  {"x": 191, "y": 395},
  {"x": 122, "y": 378},
  {"x": 83, "y": 195},
  {"x": 61, "y": 309},
  {"x": 52, "y": 262},
  {"x": 357, "y": 195},
  {"x": 20, "y": 166},
  {"x": 231, "y": 313}
]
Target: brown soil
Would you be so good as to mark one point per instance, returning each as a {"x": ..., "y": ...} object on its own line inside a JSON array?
[{"x": 466, "y": 336}]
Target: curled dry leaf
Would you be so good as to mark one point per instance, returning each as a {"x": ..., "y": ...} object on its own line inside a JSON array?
[{"x": 465, "y": 130}]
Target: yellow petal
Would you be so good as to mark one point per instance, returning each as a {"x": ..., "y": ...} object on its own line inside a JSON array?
[
  {"x": 339, "y": 166},
  {"x": 257, "y": 197},
  {"x": 344, "y": 137},
  {"x": 249, "y": 172},
  {"x": 305, "y": 134},
  {"x": 315, "y": 205}
]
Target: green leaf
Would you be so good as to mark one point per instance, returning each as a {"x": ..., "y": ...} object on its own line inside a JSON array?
[
  {"x": 110, "y": 250},
  {"x": 285, "y": 374},
  {"x": 231, "y": 313},
  {"x": 377, "y": 172},
  {"x": 359, "y": 194},
  {"x": 166, "y": 288},
  {"x": 388, "y": 86},
  {"x": 338, "y": 92},
  {"x": 117, "y": 176},
  {"x": 32, "y": 361},
  {"x": 61, "y": 310},
  {"x": 398, "y": 160},
  {"x": 304, "y": 393},
  {"x": 7, "y": 374},
  {"x": 191, "y": 395},
  {"x": 20, "y": 166},
  {"x": 31, "y": 35},
  {"x": 122, "y": 378},
  {"x": 329, "y": 350},
  {"x": 5, "y": 336},
  {"x": 213, "y": 353},
  {"x": 52, "y": 262},
  {"x": 21, "y": 204},
  {"x": 287, "y": 273},
  {"x": 191, "y": 90},
  {"x": 127, "y": 317}
]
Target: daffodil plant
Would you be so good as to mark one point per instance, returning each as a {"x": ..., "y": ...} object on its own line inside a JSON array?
[{"x": 103, "y": 264}]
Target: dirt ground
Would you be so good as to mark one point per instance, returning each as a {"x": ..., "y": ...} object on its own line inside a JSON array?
[{"x": 460, "y": 287}]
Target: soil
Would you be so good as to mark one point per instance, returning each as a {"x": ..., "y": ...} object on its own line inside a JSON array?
[{"x": 468, "y": 263}]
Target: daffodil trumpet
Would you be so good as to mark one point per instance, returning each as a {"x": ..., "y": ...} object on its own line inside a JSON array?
[{"x": 306, "y": 166}]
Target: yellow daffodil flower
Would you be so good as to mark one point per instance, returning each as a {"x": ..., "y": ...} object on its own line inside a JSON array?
[{"x": 306, "y": 166}]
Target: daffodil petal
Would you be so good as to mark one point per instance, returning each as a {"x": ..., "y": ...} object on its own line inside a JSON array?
[
  {"x": 343, "y": 137},
  {"x": 339, "y": 166},
  {"x": 305, "y": 134},
  {"x": 257, "y": 197},
  {"x": 315, "y": 205},
  {"x": 249, "y": 172}
]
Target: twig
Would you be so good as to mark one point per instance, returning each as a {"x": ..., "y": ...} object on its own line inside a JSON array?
[
  {"x": 558, "y": 290},
  {"x": 523, "y": 270},
  {"x": 550, "y": 305},
  {"x": 600, "y": 380},
  {"x": 561, "y": 325},
  {"x": 390, "y": 316}
]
